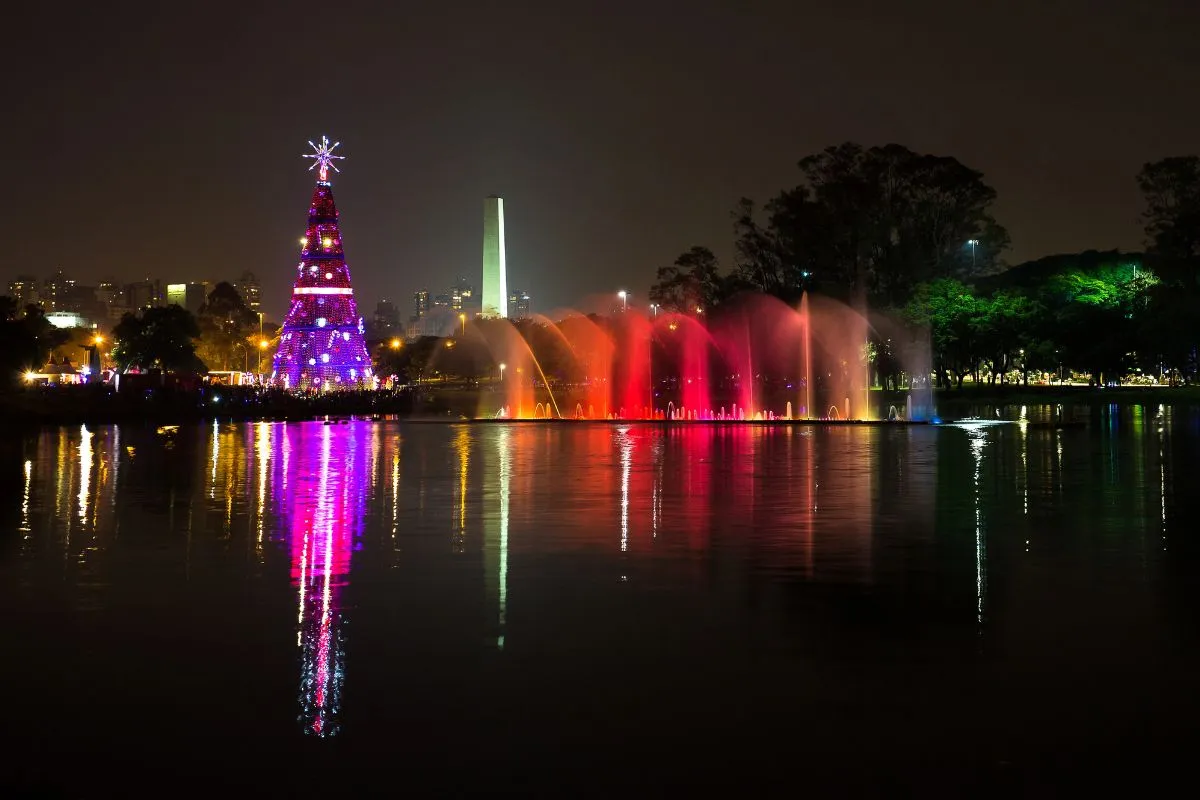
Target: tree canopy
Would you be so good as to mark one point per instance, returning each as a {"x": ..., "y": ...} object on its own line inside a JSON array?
[
  {"x": 158, "y": 338},
  {"x": 863, "y": 223},
  {"x": 226, "y": 329},
  {"x": 26, "y": 339},
  {"x": 1171, "y": 190}
]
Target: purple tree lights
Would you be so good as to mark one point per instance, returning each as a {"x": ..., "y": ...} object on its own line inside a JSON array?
[{"x": 322, "y": 345}]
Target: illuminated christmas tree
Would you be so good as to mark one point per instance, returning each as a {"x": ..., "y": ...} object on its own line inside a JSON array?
[{"x": 322, "y": 345}]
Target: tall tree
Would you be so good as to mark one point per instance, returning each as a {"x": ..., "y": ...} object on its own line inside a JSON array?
[
  {"x": 872, "y": 221},
  {"x": 26, "y": 339},
  {"x": 693, "y": 281},
  {"x": 160, "y": 338},
  {"x": 1171, "y": 190},
  {"x": 226, "y": 325}
]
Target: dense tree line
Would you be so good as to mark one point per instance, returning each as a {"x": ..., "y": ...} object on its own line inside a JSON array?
[
  {"x": 26, "y": 340},
  {"x": 224, "y": 335},
  {"x": 912, "y": 237}
]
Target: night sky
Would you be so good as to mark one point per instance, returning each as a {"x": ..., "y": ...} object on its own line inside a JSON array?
[{"x": 166, "y": 142}]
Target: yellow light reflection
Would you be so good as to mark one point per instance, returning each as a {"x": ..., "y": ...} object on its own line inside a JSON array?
[
  {"x": 262, "y": 444},
  {"x": 395, "y": 488},
  {"x": 25, "y": 499},
  {"x": 62, "y": 487},
  {"x": 216, "y": 447},
  {"x": 462, "y": 445}
]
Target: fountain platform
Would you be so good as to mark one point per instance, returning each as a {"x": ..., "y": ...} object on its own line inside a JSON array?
[{"x": 683, "y": 422}]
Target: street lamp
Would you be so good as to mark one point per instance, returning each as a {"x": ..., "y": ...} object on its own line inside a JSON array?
[
  {"x": 463, "y": 319},
  {"x": 974, "y": 243},
  {"x": 502, "y": 373},
  {"x": 246, "y": 353},
  {"x": 654, "y": 309},
  {"x": 624, "y": 295},
  {"x": 395, "y": 344},
  {"x": 263, "y": 344}
]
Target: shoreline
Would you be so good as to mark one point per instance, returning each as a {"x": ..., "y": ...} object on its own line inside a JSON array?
[{"x": 99, "y": 404}]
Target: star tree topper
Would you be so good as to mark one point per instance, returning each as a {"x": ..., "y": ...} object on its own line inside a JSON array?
[{"x": 323, "y": 157}]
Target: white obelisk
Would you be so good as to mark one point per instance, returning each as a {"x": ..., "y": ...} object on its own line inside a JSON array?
[{"x": 495, "y": 277}]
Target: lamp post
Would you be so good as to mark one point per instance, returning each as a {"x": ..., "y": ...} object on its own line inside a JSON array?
[
  {"x": 974, "y": 243},
  {"x": 463, "y": 319},
  {"x": 624, "y": 295},
  {"x": 262, "y": 346},
  {"x": 654, "y": 309},
  {"x": 502, "y": 373}
]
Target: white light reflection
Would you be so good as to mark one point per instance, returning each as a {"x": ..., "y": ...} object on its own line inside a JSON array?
[
  {"x": 1023, "y": 426},
  {"x": 25, "y": 499},
  {"x": 376, "y": 449},
  {"x": 115, "y": 458},
  {"x": 303, "y": 584},
  {"x": 626, "y": 462},
  {"x": 656, "y": 494},
  {"x": 325, "y": 522},
  {"x": 504, "y": 476},
  {"x": 85, "y": 470},
  {"x": 978, "y": 443},
  {"x": 1162, "y": 473}
]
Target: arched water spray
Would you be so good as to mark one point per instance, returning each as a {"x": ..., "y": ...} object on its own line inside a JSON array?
[{"x": 515, "y": 378}]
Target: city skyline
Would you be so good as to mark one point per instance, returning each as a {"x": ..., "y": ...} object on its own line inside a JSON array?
[{"x": 613, "y": 160}]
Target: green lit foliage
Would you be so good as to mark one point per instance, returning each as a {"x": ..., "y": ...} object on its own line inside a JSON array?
[
  {"x": 1099, "y": 313},
  {"x": 158, "y": 338},
  {"x": 1006, "y": 326},
  {"x": 949, "y": 310}
]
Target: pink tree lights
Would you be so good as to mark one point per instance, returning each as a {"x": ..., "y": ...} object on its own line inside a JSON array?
[{"x": 322, "y": 345}]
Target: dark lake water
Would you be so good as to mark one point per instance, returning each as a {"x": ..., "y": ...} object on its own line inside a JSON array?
[{"x": 428, "y": 608}]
